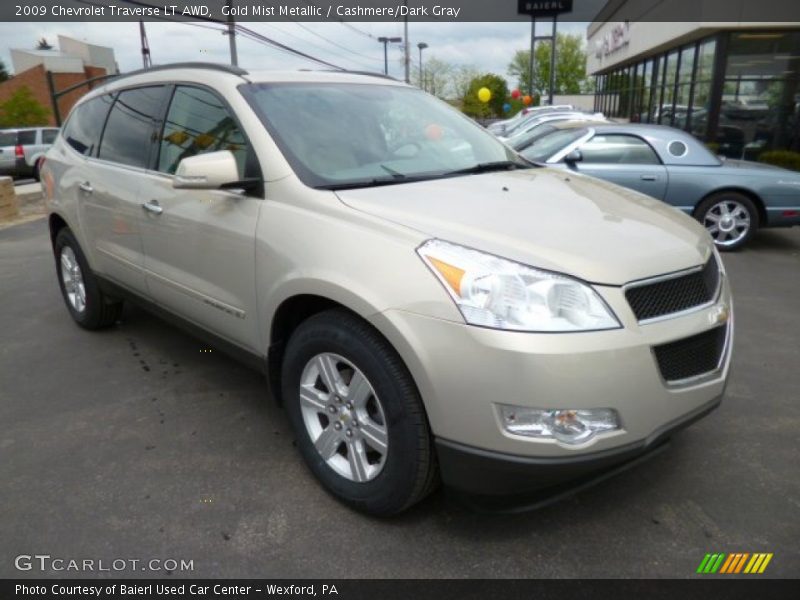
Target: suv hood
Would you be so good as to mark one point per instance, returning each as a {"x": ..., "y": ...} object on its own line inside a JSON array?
[{"x": 545, "y": 218}]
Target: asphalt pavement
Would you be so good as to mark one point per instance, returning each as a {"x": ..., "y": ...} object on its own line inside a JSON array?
[{"x": 142, "y": 443}]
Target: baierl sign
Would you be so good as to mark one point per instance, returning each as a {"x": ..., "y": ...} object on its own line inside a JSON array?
[{"x": 614, "y": 40}]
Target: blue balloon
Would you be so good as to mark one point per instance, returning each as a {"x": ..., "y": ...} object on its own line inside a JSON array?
[{"x": 506, "y": 107}]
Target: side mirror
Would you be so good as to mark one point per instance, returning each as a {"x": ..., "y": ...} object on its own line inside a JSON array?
[
  {"x": 573, "y": 157},
  {"x": 206, "y": 171}
]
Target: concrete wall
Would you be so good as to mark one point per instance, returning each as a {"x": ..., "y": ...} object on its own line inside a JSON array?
[
  {"x": 582, "y": 101},
  {"x": 22, "y": 60},
  {"x": 92, "y": 55}
]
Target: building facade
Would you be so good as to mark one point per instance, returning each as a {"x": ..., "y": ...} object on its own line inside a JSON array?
[
  {"x": 734, "y": 85},
  {"x": 44, "y": 71}
]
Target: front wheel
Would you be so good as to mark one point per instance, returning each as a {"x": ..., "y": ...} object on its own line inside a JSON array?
[
  {"x": 730, "y": 218},
  {"x": 359, "y": 421}
]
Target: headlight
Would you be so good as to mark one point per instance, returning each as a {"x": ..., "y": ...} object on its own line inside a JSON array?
[{"x": 495, "y": 292}]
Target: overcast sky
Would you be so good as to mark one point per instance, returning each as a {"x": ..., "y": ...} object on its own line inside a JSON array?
[{"x": 488, "y": 46}]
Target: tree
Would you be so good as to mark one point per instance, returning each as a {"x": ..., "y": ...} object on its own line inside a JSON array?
[
  {"x": 437, "y": 77},
  {"x": 22, "y": 110},
  {"x": 570, "y": 66},
  {"x": 4, "y": 76},
  {"x": 460, "y": 79},
  {"x": 473, "y": 107}
]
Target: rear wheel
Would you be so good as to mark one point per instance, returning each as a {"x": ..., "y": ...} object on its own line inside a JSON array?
[
  {"x": 730, "y": 218},
  {"x": 87, "y": 304},
  {"x": 357, "y": 415}
]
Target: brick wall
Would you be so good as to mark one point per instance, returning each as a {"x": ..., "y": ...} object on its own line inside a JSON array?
[{"x": 35, "y": 79}]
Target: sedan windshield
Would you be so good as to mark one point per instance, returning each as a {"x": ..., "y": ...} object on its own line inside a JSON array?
[
  {"x": 339, "y": 135},
  {"x": 545, "y": 147}
]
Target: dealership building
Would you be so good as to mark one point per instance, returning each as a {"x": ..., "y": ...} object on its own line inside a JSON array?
[{"x": 735, "y": 85}]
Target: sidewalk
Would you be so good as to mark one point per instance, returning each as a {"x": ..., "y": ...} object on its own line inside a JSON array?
[{"x": 31, "y": 205}]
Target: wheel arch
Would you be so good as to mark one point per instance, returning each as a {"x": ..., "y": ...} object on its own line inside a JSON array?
[
  {"x": 759, "y": 203},
  {"x": 56, "y": 223}
]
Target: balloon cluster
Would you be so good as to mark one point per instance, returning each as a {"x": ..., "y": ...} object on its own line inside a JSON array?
[{"x": 485, "y": 94}]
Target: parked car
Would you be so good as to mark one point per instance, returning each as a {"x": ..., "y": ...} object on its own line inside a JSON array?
[
  {"x": 425, "y": 312},
  {"x": 21, "y": 150},
  {"x": 499, "y": 127},
  {"x": 531, "y": 121},
  {"x": 545, "y": 125},
  {"x": 731, "y": 198}
]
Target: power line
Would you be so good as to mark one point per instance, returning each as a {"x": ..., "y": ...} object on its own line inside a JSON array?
[
  {"x": 311, "y": 31},
  {"x": 248, "y": 32}
]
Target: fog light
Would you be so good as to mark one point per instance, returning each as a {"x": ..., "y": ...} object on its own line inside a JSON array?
[{"x": 568, "y": 426}]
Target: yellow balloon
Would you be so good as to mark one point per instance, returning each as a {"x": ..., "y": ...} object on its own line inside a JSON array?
[{"x": 484, "y": 94}]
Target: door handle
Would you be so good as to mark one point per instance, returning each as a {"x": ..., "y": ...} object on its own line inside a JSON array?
[
  {"x": 153, "y": 206},
  {"x": 86, "y": 187},
  {"x": 648, "y": 177}
]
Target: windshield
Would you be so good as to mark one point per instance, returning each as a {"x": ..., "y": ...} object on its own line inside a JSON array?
[
  {"x": 352, "y": 134},
  {"x": 545, "y": 147}
]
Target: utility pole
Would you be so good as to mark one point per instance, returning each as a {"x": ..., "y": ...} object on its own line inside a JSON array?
[
  {"x": 531, "y": 62},
  {"x": 406, "y": 58},
  {"x": 146, "y": 61},
  {"x": 385, "y": 41},
  {"x": 553, "y": 60},
  {"x": 232, "y": 35},
  {"x": 421, "y": 46}
]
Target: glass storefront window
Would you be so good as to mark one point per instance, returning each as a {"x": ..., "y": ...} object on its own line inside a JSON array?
[{"x": 760, "y": 107}]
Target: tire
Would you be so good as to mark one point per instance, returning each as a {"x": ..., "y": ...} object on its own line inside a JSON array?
[
  {"x": 36, "y": 170},
  {"x": 87, "y": 304},
  {"x": 358, "y": 471},
  {"x": 733, "y": 230}
]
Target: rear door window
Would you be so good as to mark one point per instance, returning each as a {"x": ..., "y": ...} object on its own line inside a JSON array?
[
  {"x": 85, "y": 125},
  {"x": 132, "y": 126},
  {"x": 27, "y": 137}
]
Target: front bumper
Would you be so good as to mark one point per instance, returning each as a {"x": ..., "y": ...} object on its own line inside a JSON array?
[
  {"x": 485, "y": 474},
  {"x": 463, "y": 372}
]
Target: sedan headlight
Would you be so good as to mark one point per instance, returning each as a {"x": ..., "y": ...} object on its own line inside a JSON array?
[{"x": 495, "y": 292}]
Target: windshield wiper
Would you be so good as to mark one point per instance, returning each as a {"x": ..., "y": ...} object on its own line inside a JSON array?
[{"x": 488, "y": 167}]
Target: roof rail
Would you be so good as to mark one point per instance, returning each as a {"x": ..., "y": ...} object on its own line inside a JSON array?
[
  {"x": 367, "y": 73},
  {"x": 186, "y": 65}
]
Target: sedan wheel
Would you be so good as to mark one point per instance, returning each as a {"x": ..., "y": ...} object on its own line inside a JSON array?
[{"x": 730, "y": 219}]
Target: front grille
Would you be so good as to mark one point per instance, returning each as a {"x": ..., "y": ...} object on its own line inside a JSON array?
[
  {"x": 651, "y": 300},
  {"x": 691, "y": 356}
]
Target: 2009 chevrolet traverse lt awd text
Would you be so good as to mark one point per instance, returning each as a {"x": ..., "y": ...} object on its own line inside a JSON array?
[{"x": 428, "y": 306}]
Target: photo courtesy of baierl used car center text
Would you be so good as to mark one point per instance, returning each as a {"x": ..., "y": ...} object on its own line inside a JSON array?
[{"x": 388, "y": 299}]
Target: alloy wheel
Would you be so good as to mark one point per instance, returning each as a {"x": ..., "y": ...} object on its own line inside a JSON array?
[
  {"x": 728, "y": 222},
  {"x": 343, "y": 417},
  {"x": 72, "y": 278}
]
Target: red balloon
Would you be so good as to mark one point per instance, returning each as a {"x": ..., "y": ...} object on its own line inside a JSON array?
[
  {"x": 526, "y": 100},
  {"x": 516, "y": 94},
  {"x": 434, "y": 132}
]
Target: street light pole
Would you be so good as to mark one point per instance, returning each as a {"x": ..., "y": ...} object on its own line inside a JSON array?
[
  {"x": 385, "y": 41},
  {"x": 421, "y": 46},
  {"x": 232, "y": 36}
]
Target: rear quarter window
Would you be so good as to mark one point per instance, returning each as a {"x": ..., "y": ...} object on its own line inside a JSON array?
[
  {"x": 85, "y": 125},
  {"x": 27, "y": 137},
  {"x": 8, "y": 138}
]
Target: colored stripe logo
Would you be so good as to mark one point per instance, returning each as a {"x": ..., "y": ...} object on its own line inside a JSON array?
[{"x": 737, "y": 562}]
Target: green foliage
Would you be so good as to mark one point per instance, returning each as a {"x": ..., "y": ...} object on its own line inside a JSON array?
[
  {"x": 570, "y": 67},
  {"x": 4, "y": 76},
  {"x": 781, "y": 158},
  {"x": 481, "y": 110},
  {"x": 22, "y": 110}
]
